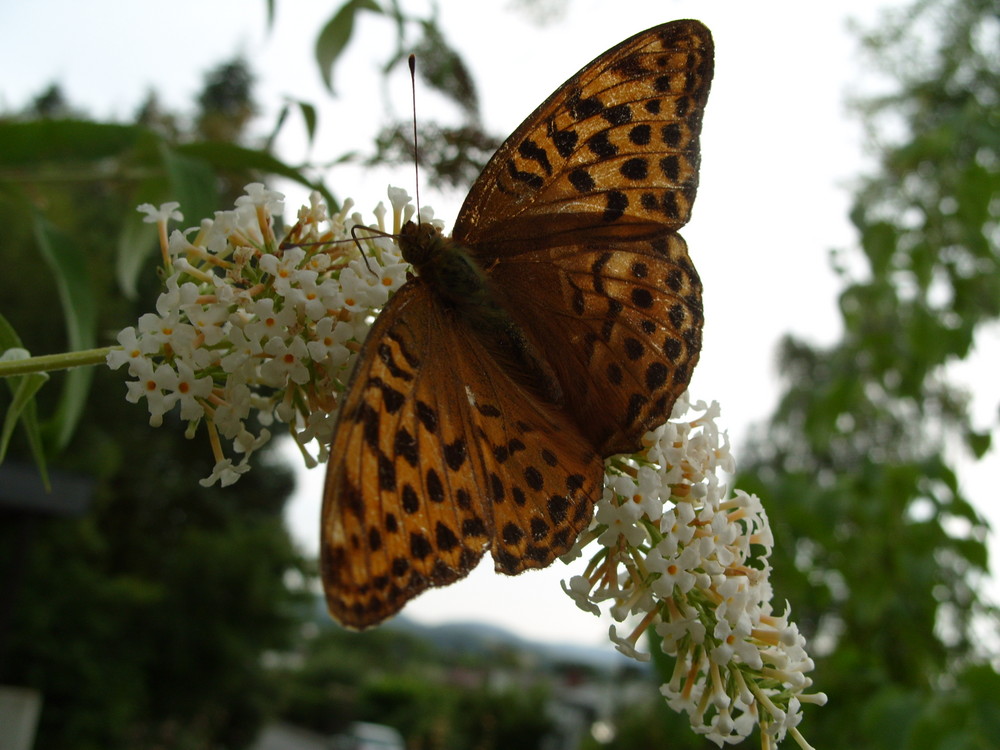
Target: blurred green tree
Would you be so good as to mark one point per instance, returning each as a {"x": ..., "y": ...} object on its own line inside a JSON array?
[
  {"x": 878, "y": 546},
  {"x": 439, "y": 698}
]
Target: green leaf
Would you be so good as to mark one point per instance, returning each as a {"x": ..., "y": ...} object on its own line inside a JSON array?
[
  {"x": 336, "y": 34},
  {"x": 309, "y": 116},
  {"x": 442, "y": 68},
  {"x": 23, "y": 389},
  {"x": 230, "y": 156},
  {"x": 72, "y": 280},
  {"x": 76, "y": 295},
  {"x": 278, "y": 124},
  {"x": 136, "y": 242},
  {"x": 879, "y": 241},
  {"x": 8, "y": 336},
  {"x": 30, "y": 143},
  {"x": 975, "y": 188},
  {"x": 192, "y": 181},
  {"x": 979, "y": 442}
]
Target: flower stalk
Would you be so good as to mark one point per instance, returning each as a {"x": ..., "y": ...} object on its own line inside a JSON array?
[{"x": 54, "y": 362}]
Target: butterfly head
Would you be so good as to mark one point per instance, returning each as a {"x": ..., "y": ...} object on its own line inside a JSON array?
[{"x": 420, "y": 243}]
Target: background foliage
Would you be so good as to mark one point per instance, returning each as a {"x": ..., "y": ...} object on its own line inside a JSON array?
[
  {"x": 880, "y": 551},
  {"x": 143, "y": 620},
  {"x": 878, "y": 547}
]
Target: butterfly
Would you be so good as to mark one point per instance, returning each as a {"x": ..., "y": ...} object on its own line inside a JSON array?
[{"x": 556, "y": 326}]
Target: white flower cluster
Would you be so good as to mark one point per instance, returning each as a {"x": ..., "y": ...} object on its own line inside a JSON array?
[
  {"x": 250, "y": 324},
  {"x": 691, "y": 562}
]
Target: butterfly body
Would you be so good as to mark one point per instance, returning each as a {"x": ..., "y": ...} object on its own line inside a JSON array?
[
  {"x": 464, "y": 288},
  {"x": 558, "y": 325},
  {"x": 455, "y": 276}
]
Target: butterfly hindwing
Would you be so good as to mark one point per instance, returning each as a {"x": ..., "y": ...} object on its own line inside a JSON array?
[
  {"x": 540, "y": 475},
  {"x": 613, "y": 152},
  {"x": 438, "y": 455},
  {"x": 621, "y": 327}
]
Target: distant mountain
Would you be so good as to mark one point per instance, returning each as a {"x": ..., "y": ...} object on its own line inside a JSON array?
[{"x": 481, "y": 637}]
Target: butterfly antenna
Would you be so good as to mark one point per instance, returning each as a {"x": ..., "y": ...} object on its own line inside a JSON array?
[
  {"x": 412, "y": 62},
  {"x": 361, "y": 249}
]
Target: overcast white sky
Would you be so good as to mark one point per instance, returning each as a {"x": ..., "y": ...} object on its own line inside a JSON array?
[{"x": 779, "y": 153}]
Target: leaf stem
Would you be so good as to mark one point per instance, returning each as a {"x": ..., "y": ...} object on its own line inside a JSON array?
[{"x": 51, "y": 362}]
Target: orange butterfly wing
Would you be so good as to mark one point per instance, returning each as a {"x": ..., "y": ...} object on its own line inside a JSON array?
[
  {"x": 612, "y": 153},
  {"x": 437, "y": 456}
]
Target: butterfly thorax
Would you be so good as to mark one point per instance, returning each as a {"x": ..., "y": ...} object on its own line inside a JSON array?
[
  {"x": 448, "y": 268},
  {"x": 455, "y": 277}
]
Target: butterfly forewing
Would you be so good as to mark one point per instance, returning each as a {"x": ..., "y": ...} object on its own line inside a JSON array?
[
  {"x": 384, "y": 503},
  {"x": 481, "y": 423},
  {"x": 613, "y": 152}
]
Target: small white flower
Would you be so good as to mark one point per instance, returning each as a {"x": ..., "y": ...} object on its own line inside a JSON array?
[
  {"x": 316, "y": 212},
  {"x": 225, "y": 472},
  {"x": 134, "y": 350},
  {"x": 176, "y": 296},
  {"x": 210, "y": 320},
  {"x": 269, "y": 321},
  {"x": 380, "y": 212},
  {"x": 627, "y": 646},
  {"x": 400, "y": 201},
  {"x": 179, "y": 245},
  {"x": 734, "y": 643},
  {"x": 579, "y": 589},
  {"x": 168, "y": 332},
  {"x": 675, "y": 570},
  {"x": 166, "y": 212},
  {"x": 246, "y": 442},
  {"x": 159, "y": 391},
  {"x": 286, "y": 362},
  {"x": 682, "y": 626},
  {"x": 678, "y": 525},
  {"x": 234, "y": 409},
  {"x": 283, "y": 269},
  {"x": 310, "y": 295},
  {"x": 325, "y": 348},
  {"x": 621, "y": 518},
  {"x": 319, "y": 427},
  {"x": 258, "y": 195},
  {"x": 190, "y": 391}
]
